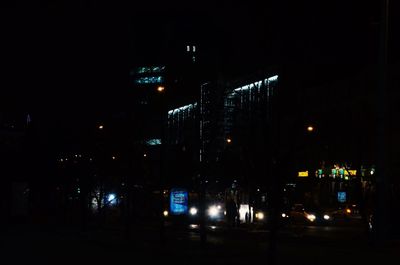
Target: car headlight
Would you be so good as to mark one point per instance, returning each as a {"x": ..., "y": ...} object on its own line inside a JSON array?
[
  {"x": 260, "y": 215},
  {"x": 213, "y": 211},
  {"x": 193, "y": 211},
  {"x": 327, "y": 217},
  {"x": 311, "y": 217}
]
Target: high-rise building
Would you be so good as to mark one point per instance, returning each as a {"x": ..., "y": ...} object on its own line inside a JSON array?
[{"x": 229, "y": 121}]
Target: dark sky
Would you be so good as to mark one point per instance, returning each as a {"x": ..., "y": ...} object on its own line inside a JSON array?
[
  {"x": 333, "y": 36},
  {"x": 75, "y": 42},
  {"x": 71, "y": 60}
]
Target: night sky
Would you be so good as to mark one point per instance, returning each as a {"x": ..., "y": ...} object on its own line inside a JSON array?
[
  {"x": 82, "y": 40},
  {"x": 323, "y": 37},
  {"x": 69, "y": 61}
]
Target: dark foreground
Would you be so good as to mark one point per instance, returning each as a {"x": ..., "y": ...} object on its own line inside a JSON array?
[{"x": 33, "y": 244}]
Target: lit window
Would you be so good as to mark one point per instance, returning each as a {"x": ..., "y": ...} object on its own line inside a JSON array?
[
  {"x": 154, "y": 142},
  {"x": 273, "y": 78},
  {"x": 149, "y": 80},
  {"x": 194, "y": 48},
  {"x": 188, "y": 48}
]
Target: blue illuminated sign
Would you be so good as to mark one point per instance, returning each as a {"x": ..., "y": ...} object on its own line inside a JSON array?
[
  {"x": 341, "y": 196},
  {"x": 178, "y": 201}
]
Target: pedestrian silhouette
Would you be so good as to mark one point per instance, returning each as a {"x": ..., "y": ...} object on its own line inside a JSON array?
[{"x": 231, "y": 212}]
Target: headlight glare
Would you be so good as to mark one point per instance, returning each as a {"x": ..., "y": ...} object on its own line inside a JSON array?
[
  {"x": 213, "y": 211},
  {"x": 311, "y": 217},
  {"x": 193, "y": 211},
  {"x": 260, "y": 215}
]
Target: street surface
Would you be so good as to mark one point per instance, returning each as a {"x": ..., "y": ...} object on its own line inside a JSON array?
[{"x": 296, "y": 244}]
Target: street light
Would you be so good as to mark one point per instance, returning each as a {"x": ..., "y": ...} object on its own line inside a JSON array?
[
  {"x": 228, "y": 140},
  {"x": 310, "y": 128},
  {"x": 160, "y": 89},
  {"x": 164, "y": 118},
  {"x": 100, "y": 127}
]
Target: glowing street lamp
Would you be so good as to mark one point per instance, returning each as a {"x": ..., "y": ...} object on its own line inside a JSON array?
[
  {"x": 310, "y": 128},
  {"x": 228, "y": 140},
  {"x": 100, "y": 127},
  {"x": 160, "y": 89}
]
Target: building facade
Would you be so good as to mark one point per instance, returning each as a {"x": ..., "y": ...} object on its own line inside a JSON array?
[{"x": 225, "y": 129}]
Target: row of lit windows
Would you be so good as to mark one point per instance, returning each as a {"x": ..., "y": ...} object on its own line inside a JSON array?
[
  {"x": 179, "y": 115},
  {"x": 150, "y": 80},
  {"x": 247, "y": 94},
  {"x": 189, "y": 107},
  {"x": 255, "y": 85},
  {"x": 153, "y": 142},
  {"x": 246, "y": 97},
  {"x": 148, "y": 70}
]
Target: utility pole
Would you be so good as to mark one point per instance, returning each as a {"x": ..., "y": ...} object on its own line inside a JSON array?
[
  {"x": 203, "y": 229},
  {"x": 163, "y": 182},
  {"x": 274, "y": 170},
  {"x": 382, "y": 179}
]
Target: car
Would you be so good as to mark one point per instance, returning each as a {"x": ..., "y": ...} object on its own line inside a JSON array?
[
  {"x": 215, "y": 213},
  {"x": 310, "y": 215},
  {"x": 346, "y": 213}
]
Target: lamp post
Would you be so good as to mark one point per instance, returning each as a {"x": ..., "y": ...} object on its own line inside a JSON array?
[
  {"x": 202, "y": 197},
  {"x": 162, "y": 212},
  {"x": 381, "y": 209}
]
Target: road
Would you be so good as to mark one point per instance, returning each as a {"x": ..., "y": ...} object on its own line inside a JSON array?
[{"x": 295, "y": 245}]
